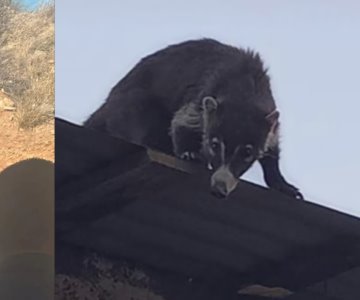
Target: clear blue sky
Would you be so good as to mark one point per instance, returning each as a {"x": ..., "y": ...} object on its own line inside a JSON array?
[
  {"x": 31, "y": 4},
  {"x": 311, "y": 46}
]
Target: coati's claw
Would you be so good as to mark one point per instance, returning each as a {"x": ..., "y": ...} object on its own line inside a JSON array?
[
  {"x": 299, "y": 196},
  {"x": 296, "y": 194},
  {"x": 209, "y": 166},
  {"x": 188, "y": 155},
  {"x": 287, "y": 189},
  {"x": 185, "y": 156},
  {"x": 291, "y": 191}
]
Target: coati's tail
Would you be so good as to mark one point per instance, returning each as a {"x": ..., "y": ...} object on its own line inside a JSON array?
[{"x": 97, "y": 120}]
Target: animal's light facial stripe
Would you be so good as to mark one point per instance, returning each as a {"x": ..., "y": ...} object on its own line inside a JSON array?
[
  {"x": 222, "y": 148},
  {"x": 223, "y": 152},
  {"x": 271, "y": 140},
  {"x": 261, "y": 154}
]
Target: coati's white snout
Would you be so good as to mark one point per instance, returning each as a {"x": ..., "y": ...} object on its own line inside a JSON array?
[{"x": 223, "y": 182}]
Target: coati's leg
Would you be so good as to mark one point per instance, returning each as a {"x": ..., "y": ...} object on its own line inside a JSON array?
[
  {"x": 186, "y": 143},
  {"x": 186, "y": 133},
  {"x": 272, "y": 174}
]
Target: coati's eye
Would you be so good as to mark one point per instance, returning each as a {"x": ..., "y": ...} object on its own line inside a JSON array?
[
  {"x": 247, "y": 152},
  {"x": 215, "y": 144}
]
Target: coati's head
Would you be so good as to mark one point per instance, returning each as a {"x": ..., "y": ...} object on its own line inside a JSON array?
[{"x": 233, "y": 138}]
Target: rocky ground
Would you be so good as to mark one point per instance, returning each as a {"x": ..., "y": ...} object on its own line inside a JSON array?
[
  {"x": 93, "y": 277},
  {"x": 17, "y": 144}
]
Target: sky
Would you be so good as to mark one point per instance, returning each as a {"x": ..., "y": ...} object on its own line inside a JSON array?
[
  {"x": 31, "y": 4},
  {"x": 311, "y": 48}
]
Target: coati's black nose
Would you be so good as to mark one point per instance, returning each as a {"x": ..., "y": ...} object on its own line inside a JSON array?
[{"x": 219, "y": 189}]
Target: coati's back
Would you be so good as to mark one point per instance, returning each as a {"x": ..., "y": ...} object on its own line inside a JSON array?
[
  {"x": 97, "y": 120},
  {"x": 160, "y": 73},
  {"x": 176, "y": 75}
]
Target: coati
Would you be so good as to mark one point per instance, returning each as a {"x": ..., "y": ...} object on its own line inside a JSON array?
[{"x": 200, "y": 99}]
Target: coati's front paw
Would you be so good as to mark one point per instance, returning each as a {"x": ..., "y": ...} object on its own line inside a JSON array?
[
  {"x": 289, "y": 190},
  {"x": 188, "y": 155}
]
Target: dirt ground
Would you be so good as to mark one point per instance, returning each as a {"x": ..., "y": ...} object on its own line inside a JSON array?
[{"x": 17, "y": 144}]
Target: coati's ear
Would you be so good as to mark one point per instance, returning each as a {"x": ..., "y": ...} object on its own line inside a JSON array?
[
  {"x": 273, "y": 119},
  {"x": 209, "y": 104}
]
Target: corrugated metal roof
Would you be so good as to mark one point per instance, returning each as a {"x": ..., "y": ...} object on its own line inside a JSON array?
[{"x": 122, "y": 200}]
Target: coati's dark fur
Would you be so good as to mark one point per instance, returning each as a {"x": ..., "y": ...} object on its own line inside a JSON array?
[{"x": 200, "y": 99}]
